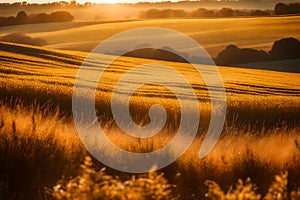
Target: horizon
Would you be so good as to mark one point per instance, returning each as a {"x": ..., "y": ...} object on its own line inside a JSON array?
[{"x": 142, "y": 1}]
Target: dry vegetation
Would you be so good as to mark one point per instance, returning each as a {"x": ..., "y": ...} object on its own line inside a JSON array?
[
  {"x": 39, "y": 144},
  {"x": 38, "y": 148}
]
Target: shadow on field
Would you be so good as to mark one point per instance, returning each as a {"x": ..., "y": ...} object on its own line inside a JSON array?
[{"x": 40, "y": 53}]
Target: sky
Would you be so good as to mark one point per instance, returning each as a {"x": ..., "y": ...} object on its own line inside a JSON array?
[
  {"x": 125, "y": 1},
  {"x": 81, "y": 1},
  {"x": 95, "y": 1}
]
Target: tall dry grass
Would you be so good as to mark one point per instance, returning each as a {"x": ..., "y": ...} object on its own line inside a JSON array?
[{"x": 38, "y": 147}]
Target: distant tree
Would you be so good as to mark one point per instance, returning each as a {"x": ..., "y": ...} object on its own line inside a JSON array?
[
  {"x": 295, "y": 8},
  {"x": 17, "y": 4},
  {"x": 152, "y": 13},
  {"x": 260, "y": 13},
  {"x": 225, "y": 12},
  {"x": 280, "y": 9},
  {"x": 87, "y": 4},
  {"x": 41, "y": 18},
  {"x": 157, "y": 54},
  {"x": 283, "y": 9},
  {"x": 241, "y": 12},
  {"x": 60, "y": 16},
  {"x": 63, "y": 3},
  {"x": 21, "y": 18},
  {"x": 2, "y": 21},
  {"x": 73, "y": 2},
  {"x": 10, "y": 20},
  {"x": 286, "y": 48},
  {"x": 179, "y": 13},
  {"x": 5, "y": 21},
  {"x": 233, "y": 55},
  {"x": 202, "y": 12},
  {"x": 166, "y": 13}
]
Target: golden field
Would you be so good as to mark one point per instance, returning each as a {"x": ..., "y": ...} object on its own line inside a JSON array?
[
  {"x": 213, "y": 34},
  {"x": 39, "y": 143}
]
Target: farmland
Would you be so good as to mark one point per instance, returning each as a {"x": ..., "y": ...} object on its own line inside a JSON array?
[
  {"x": 36, "y": 88},
  {"x": 213, "y": 34},
  {"x": 41, "y": 154}
]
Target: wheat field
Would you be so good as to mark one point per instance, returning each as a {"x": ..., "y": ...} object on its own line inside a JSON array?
[{"x": 39, "y": 143}]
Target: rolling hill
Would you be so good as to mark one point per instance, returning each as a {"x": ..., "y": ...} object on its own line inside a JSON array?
[
  {"x": 22, "y": 64},
  {"x": 213, "y": 34},
  {"x": 45, "y": 75}
]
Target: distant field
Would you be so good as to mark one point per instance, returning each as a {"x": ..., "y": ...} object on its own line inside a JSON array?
[
  {"x": 213, "y": 34},
  {"x": 20, "y": 64}
]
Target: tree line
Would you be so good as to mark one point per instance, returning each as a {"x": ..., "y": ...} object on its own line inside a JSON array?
[
  {"x": 283, "y": 49},
  {"x": 23, "y": 18},
  {"x": 279, "y": 9},
  {"x": 287, "y": 9},
  {"x": 202, "y": 12},
  {"x": 65, "y": 4}
]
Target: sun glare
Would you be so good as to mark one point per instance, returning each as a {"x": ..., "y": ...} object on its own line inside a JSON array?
[{"x": 106, "y": 1}]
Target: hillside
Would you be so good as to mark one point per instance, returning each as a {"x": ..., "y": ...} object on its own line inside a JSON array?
[
  {"x": 213, "y": 34},
  {"x": 20, "y": 64},
  {"x": 43, "y": 75}
]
